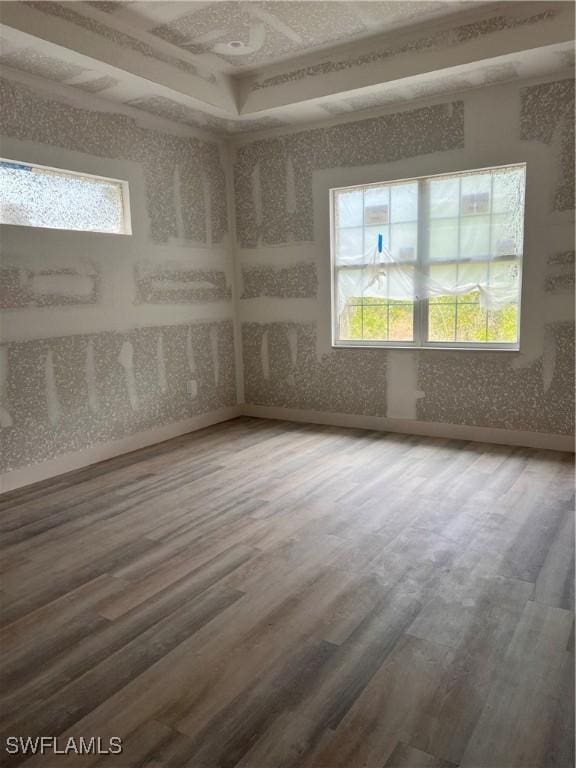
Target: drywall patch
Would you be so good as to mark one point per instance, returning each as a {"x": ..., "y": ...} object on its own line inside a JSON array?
[
  {"x": 5, "y": 417},
  {"x": 207, "y": 29},
  {"x": 441, "y": 40},
  {"x": 98, "y": 84},
  {"x": 499, "y": 73},
  {"x": 257, "y": 124},
  {"x": 29, "y": 60},
  {"x": 108, "y": 6},
  {"x": 161, "y": 364},
  {"x": 70, "y": 392},
  {"x": 62, "y": 11},
  {"x": 178, "y": 283},
  {"x": 299, "y": 281},
  {"x": 438, "y": 87},
  {"x": 284, "y": 218},
  {"x": 560, "y": 272},
  {"x": 24, "y": 287},
  {"x": 281, "y": 368},
  {"x": 181, "y": 113},
  {"x": 29, "y": 116},
  {"x": 402, "y": 387},
  {"x": 172, "y": 110},
  {"x": 547, "y": 115},
  {"x": 498, "y": 395}
]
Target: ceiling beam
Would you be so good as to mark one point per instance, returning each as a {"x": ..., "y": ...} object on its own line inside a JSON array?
[
  {"x": 390, "y": 59},
  {"x": 215, "y": 95}
]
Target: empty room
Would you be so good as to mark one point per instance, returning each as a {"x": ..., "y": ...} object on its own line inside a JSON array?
[{"x": 287, "y": 384}]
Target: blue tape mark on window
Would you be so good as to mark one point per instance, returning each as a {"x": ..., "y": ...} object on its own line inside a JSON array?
[{"x": 380, "y": 243}]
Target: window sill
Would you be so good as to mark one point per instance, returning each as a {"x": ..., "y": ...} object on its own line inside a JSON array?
[{"x": 427, "y": 348}]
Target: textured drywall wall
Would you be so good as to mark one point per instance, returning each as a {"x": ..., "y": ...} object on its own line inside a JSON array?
[
  {"x": 184, "y": 177},
  {"x": 281, "y": 187},
  {"x": 108, "y": 336},
  {"x": 273, "y": 177}
]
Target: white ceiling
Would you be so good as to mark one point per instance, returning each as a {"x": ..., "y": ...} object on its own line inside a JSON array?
[
  {"x": 298, "y": 61},
  {"x": 244, "y": 35}
]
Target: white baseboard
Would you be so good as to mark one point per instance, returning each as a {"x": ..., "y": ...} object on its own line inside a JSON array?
[
  {"x": 541, "y": 440},
  {"x": 17, "y": 478}
]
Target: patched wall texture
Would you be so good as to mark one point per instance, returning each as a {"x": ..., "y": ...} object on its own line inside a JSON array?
[
  {"x": 273, "y": 177},
  {"x": 185, "y": 178},
  {"x": 25, "y": 287},
  {"x": 107, "y": 336},
  {"x": 497, "y": 393},
  {"x": 286, "y": 366},
  {"x": 67, "y": 393},
  {"x": 179, "y": 283},
  {"x": 121, "y": 38},
  {"x": 547, "y": 115},
  {"x": 282, "y": 369},
  {"x": 297, "y": 281},
  {"x": 560, "y": 272}
]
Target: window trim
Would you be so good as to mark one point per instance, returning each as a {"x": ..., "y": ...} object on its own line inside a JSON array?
[
  {"x": 122, "y": 183},
  {"x": 420, "y": 323}
]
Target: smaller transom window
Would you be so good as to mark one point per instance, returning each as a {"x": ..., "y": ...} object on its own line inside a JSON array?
[{"x": 36, "y": 196}]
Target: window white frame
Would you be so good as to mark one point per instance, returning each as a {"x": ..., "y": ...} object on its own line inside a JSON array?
[
  {"x": 420, "y": 321},
  {"x": 121, "y": 183}
]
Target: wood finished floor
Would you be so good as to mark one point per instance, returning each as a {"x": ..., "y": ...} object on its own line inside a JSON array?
[{"x": 271, "y": 595}]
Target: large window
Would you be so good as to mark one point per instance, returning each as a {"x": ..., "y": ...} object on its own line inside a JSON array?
[
  {"x": 35, "y": 196},
  {"x": 433, "y": 261}
]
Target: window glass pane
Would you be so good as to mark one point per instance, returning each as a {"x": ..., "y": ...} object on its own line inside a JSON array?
[
  {"x": 35, "y": 196},
  {"x": 349, "y": 287},
  {"x": 506, "y": 235},
  {"x": 375, "y": 321},
  {"x": 403, "y": 241},
  {"x": 508, "y": 190},
  {"x": 473, "y": 274},
  {"x": 350, "y": 323},
  {"x": 475, "y": 194},
  {"x": 376, "y": 206},
  {"x": 504, "y": 281},
  {"x": 444, "y": 197},
  {"x": 503, "y": 325},
  {"x": 400, "y": 283},
  {"x": 404, "y": 202},
  {"x": 470, "y": 323},
  {"x": 443, "y": 240},
  {"x": 473, "y": 297},
  {"x": 474, "y": 237},
  {"x": 442, "y": 322},
  {"x": 349, "y": 208},
  {"x": 506, "y": 272},
  {"x": 400, "y": 321},
  {"x": 349, "y": 246},
  {"x": 443, "y": 279}
]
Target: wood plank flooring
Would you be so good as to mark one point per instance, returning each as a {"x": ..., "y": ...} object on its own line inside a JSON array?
[{"x": 263, "y": 594}]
